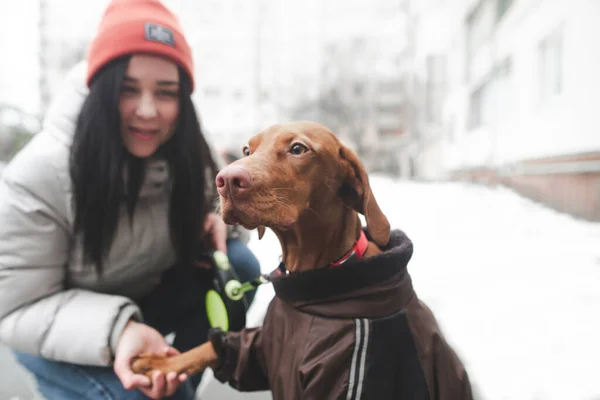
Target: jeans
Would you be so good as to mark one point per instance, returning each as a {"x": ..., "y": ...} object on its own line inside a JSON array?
[{"x": 176, "y": 305}]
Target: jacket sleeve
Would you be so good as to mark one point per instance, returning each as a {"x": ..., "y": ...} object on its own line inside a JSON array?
[
  {"x": 244, "y": 365},
  {"x": 38, "y": 315}
]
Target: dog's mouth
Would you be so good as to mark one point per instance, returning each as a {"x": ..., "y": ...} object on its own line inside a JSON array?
[
  {"x": 251, "y": 214},
  {"x": 234, "y": 212}
]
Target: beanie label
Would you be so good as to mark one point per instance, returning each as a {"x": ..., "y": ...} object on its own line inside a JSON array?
[{"x": 160, "y": 34}]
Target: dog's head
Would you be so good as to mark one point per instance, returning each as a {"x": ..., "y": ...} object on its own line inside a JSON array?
[{"x": 295, "y": 169}]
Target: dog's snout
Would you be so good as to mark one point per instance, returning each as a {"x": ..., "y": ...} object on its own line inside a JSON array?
[{"x": 232, "y": 180}]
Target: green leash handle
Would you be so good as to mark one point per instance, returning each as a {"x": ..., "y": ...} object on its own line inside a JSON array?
[{"x": 225, "y": 303}]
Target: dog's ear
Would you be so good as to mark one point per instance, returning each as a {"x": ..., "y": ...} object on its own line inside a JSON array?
[
  {"x": 355, "y": 191},
  {"x": 261, "y": 231}
]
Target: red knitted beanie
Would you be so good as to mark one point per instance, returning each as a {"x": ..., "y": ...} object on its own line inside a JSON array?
[{"x": 139, "y": 26}]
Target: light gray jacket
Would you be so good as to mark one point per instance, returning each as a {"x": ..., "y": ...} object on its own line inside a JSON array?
[{"x": 51, "y": 304}]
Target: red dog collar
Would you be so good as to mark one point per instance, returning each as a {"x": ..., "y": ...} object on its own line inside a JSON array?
[{"x": 358, "y": 250}]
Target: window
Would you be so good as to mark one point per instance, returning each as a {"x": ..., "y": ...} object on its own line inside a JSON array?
[
  {"x": 450, "y": 129},
  {"x": 238, "y": 95},
  {"x": 392, "y": 109},
  {"x": 211, "y": 92},
  {"x": 550, "y": 59},
  {"x": 475, "y": 109},
  {"x": 359, "y": 89},
  {"x": 504, "y": 93},
  {"x": 502, "y": 7},
  {"x": 492, "y": 102},
  {"x": 237, "y": 8},
  {"x": 481, "y": 108},
  {"x": 435, "y": 87},
  {"x": 358, "y": 44},
  {"x": 390, "y": 86},
  {"x": 479, "y": 28}
]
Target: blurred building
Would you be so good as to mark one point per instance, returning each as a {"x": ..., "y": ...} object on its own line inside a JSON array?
[
  {"x": 259, "y": 62},
  {"x": 506, "y": 92},
  {"x": 254, "y": 62},
  {"x": 222, "y": 34},
  {"x": 358, "y": 82},
  {"x": 363, "y": 83},
  {"x": 291, "y": 59},
  {"x": 290, "y": 51}
]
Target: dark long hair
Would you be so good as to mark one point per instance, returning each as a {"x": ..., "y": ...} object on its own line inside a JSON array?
[{"x": 98, "y": 161}]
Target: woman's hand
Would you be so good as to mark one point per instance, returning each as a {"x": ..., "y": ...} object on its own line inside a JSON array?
[
  {"x": 138, "y": 338},
  {"x": 217, "y": 230}
]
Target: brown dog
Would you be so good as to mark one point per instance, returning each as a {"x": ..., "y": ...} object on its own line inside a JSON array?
[{"x": 345, "y": 322}]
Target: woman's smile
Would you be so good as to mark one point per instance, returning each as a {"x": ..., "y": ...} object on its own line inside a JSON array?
[{"x": 143, "y": 133}]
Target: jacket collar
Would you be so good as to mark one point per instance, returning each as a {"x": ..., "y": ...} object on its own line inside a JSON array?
[
  {"x": 371, "y": 287},
  {"x": 156, "y": 179}
]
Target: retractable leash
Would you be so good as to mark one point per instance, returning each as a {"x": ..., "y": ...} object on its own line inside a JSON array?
[
  {"x": 226, "y": 306},
  {"x": 225, "y": 303}
]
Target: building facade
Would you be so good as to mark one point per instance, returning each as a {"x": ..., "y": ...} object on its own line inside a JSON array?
[{"x": 515, "y": 100}]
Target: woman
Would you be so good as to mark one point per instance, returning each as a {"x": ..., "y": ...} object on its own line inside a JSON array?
[{"x": 102, "y": 214}]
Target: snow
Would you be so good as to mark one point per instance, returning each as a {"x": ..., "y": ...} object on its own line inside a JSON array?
[{"x": 514, "y": 285}]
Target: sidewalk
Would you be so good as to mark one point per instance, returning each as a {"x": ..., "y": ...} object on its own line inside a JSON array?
[{"x": 15, "y": 383}]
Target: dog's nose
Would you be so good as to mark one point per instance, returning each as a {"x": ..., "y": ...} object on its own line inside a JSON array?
[{"x": 232, "y": 180}]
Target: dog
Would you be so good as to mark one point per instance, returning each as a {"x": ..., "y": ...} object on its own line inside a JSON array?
[{"x": 345, "y": 322}]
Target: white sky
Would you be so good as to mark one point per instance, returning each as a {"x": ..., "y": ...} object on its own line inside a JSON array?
[{"x": 19, "y": 71}]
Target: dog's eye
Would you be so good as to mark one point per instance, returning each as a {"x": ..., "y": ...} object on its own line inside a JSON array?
[
  {"x": 246, "y": 151},
  {"x": 298, "y": 149}
]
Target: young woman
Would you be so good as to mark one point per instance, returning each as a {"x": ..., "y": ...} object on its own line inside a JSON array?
[{"x": 102, "y": 215}]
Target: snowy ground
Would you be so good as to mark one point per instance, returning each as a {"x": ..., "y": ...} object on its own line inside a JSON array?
[{"x": 514, "y": 285}]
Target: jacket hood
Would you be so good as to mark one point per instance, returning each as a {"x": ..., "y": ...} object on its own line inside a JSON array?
[
  {"x": 61, "y": 116},
  {"x": 367, "y": 288}
]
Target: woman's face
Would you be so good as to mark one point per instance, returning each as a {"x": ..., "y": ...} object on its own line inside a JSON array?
[{"x": 149, "y": 104}]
